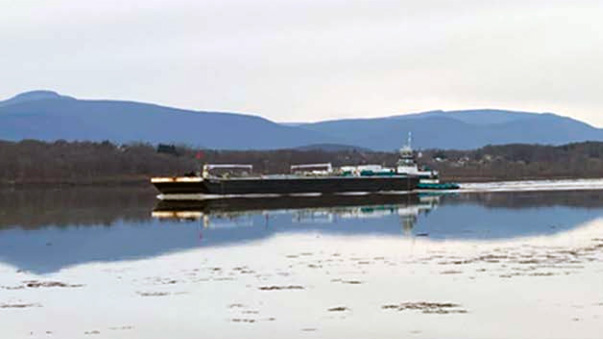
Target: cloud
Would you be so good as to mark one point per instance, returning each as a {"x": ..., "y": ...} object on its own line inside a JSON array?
[{"x": 311, "y": 60}]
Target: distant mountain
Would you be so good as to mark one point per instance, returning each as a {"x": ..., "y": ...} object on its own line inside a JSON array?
[
  {"x": 47, "y": 115},
  {"x": 459, "y": 129},
  {"x": 33, "y": 96}
]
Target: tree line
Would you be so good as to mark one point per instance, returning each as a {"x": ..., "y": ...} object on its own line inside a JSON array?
[
  {"x": 520, "y": 162},
  {"x": 83, "y": 162}
]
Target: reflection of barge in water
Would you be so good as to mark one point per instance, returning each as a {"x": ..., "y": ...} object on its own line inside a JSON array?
[
  {"x": 284, "y": 203},
  {"x": 323, "y": 209}
]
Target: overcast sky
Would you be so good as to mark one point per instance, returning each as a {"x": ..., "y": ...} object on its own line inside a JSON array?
[{"x": 308, "y": 60}]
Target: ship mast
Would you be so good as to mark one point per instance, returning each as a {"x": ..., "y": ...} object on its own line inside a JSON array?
[{"x": 407, "y": 158}]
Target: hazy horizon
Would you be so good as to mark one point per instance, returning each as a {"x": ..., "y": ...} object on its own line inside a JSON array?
[{"x": 291, "y": 61}]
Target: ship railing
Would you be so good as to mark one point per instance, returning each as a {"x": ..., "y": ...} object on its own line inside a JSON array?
[
  {"x": 313, "y": 168},
  {"x": 208, "y": 167}
]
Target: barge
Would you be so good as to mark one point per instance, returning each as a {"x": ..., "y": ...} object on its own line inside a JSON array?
[
  {"x": 209, "y": 186},
  {"x": 304, "y": 180}
]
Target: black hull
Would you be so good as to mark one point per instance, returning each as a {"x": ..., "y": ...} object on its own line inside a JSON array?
[{"x": 326, "y": 185}]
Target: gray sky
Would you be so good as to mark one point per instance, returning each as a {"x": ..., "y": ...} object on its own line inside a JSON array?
[{"x": 294, "y": 60}]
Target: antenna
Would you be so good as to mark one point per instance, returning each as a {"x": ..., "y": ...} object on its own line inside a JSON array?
[{"x": 409, "y": 139}]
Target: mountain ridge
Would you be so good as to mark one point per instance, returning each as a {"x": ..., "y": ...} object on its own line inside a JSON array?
[
  {"x": 34, "y": 96},
  {"x": 48, "y": 115}
]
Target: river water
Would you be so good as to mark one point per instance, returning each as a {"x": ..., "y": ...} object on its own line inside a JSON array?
[{"x": 490, "y": 263}]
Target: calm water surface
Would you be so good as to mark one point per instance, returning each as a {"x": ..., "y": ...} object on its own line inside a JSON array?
[{"x": 113, "y": 263}]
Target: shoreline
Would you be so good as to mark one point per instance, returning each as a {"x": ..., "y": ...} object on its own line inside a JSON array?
[
  {"x": 145, "y": 182},
  {"x": 139, "y": 182}
]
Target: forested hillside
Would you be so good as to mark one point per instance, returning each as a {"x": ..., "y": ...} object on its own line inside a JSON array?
[
  {"x": 61, "y": 162},
  {"x": 520, "y": 162}
]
